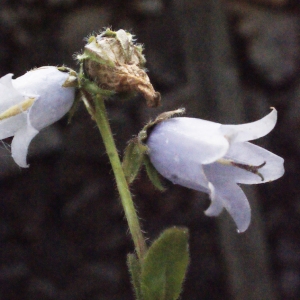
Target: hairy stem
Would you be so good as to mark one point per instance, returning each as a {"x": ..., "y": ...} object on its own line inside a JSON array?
[{"x": 101, "y": 119}]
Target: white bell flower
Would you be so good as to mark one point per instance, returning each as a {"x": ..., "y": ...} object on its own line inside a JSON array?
[
  {"x": 30, "y": 103},
  {"x": 213, "y": 158}
]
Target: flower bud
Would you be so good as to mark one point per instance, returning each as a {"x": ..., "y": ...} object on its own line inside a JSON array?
[{"x": 115, "y": 63}]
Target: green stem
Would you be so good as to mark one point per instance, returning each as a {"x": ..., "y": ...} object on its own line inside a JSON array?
[{"x": 101, "y": 119}]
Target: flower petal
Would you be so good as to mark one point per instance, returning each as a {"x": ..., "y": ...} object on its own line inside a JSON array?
[
  {"x": 250, "y": 131},
  {"x": 179, "y": 169},
  {"x": 9, "y": 126},
  {"x": 9, "y": 96},
  {"x": 234, "y": 200},
  {"x": 247, "y": 154},
  {"x": 190, "y": 139},
  {"x": 178, "y": 147},
  {"x": 6, "y": 80},
  {"x": 216, "y": 206},
  {"x": 54, "y": 101},
  {"x": 20, "y": 144}
]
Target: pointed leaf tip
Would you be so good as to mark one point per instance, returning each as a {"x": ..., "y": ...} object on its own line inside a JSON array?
[{"x": 135, "y": 272}]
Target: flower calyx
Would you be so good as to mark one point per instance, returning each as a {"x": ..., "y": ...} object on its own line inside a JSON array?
[
  {"x": 136, "y": 152},
  {"x": 115, "y": 63},
  {"x": 144, "y": 133},
  {"x": 72, "y": 80}
]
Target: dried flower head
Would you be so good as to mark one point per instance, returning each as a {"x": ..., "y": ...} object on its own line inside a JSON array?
[{"x": 114, "y": 62}]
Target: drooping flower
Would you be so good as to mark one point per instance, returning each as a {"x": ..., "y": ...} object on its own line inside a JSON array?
[
  {"x": 215, "y": 158},
  {"x": 30, "y": 103}
]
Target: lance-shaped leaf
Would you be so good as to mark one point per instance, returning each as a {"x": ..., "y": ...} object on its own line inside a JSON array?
[{"x": 165, "y": 265}]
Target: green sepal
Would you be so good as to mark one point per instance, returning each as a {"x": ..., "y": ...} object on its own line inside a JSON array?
[
  {"x": 135, "y": 272},
  {"x": 108, "y": 33},
  {"x": 136, "y": 152},
  {"x": 75, "y": 105},
  {"x": 72, "y": 80},
  {"x": 133, "y": 159},
  {"x": 89, "y": 54},
  {"x": 93, "y": 88},
  {"x": 165, "y": 266},
  {"x": 153, "y": 174},
  {"x": 82, "y": 57},
  {"x": 143, "y": 134}
]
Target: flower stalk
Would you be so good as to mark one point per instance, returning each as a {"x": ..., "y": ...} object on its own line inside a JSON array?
[
  {"x": 111, "y": 63},
  {"x": 100, "y": 116}
]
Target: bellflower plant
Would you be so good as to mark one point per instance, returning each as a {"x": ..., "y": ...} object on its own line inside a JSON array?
[
  {"x": 198, "y": 154},
  {"x": 214, "y": 158},
  {"x": 32, "y": 102}
]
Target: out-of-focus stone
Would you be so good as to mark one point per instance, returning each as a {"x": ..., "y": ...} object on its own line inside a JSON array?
[
  {"x": 13, "y": 271},
  {"x": 148, "y": 7},
  {"x": 42, "y": 289},
  {"x": 289, "y": 283},
  {"x": 269, "y": 2},
  {"x": 271, "y": 42},
  {"x": 48, "y": 141},
  {"x": 60, "y": 2}
]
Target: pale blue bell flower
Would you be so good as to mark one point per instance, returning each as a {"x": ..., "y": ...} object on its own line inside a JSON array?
[
  {"x": 30, "y": 103},
  {"x": 213, "y": 158}
]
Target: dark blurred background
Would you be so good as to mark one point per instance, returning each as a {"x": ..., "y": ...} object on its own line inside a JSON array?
[{"x": 62, "y": 230}]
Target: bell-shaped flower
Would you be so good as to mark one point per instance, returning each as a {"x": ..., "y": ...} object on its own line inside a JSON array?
[
  {"x": 30, "y": 103},
  {"x": 214, "y": 158}
]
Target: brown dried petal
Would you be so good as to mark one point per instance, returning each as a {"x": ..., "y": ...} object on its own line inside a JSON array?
[{"x": 123, "y": 78}]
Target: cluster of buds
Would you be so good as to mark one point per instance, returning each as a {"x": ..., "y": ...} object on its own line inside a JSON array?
[{"x": 115, "y": 63}]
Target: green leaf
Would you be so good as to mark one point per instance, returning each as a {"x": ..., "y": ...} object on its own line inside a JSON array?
[
  {"x": 135, "y": 272},
  {"x": 165, "y": 265},
  {"x": 133, "y": 159},
  {"x": 153, "y": 174}
]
